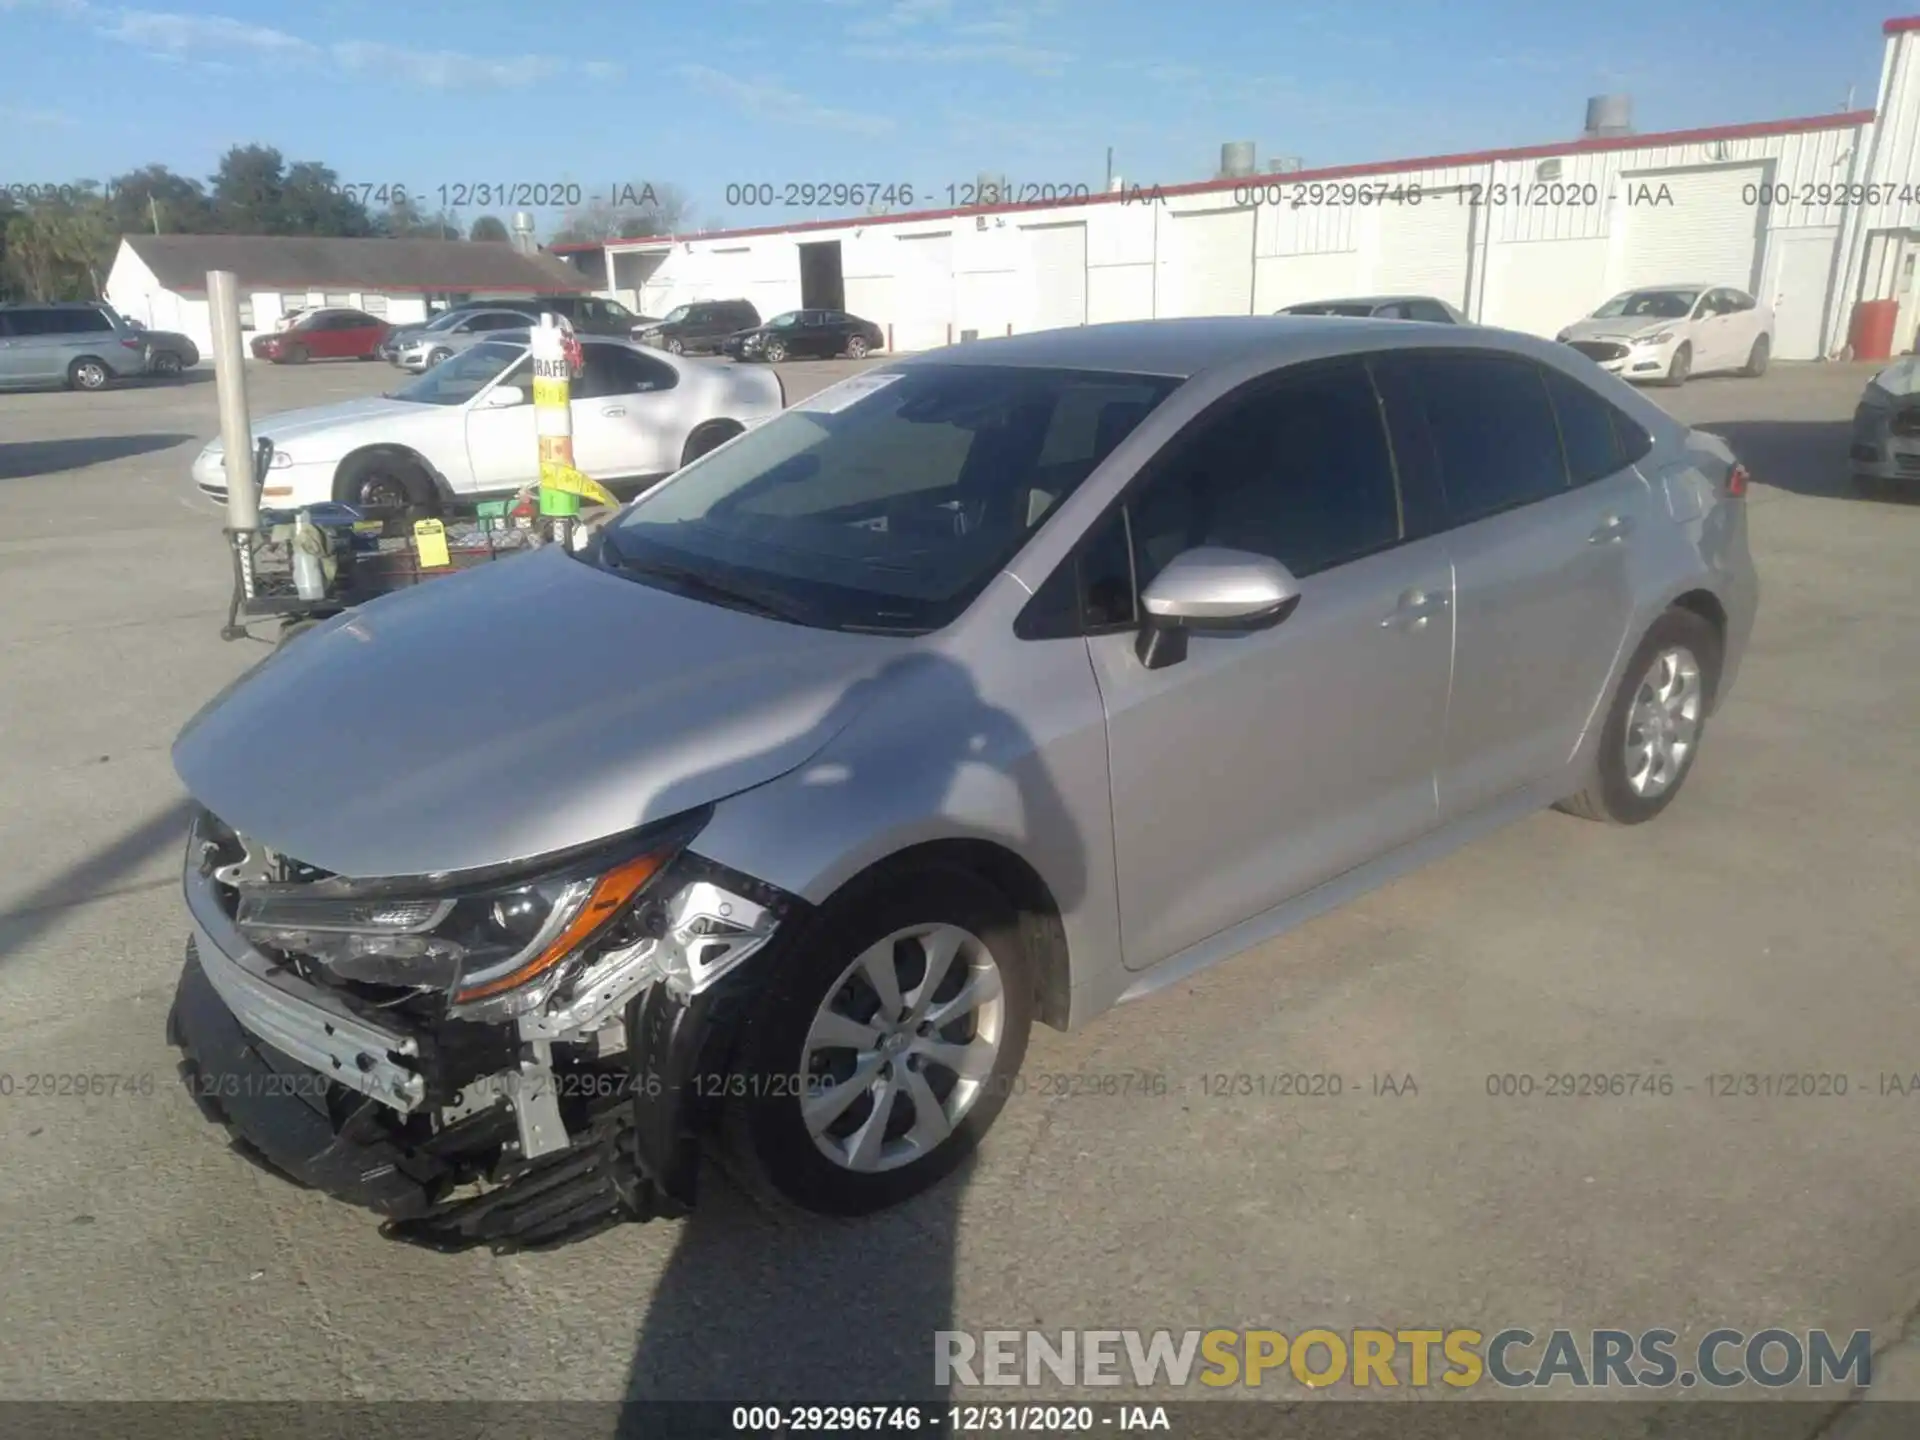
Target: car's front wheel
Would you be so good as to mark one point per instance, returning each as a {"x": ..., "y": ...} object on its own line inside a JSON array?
[
  {"x": 676, "y": 347},
  {"x": 437, "y": 355},
  {"x": 88, "y": 373},
  {"x": 165, "y": 362},
  {"x": 1681, "y": 366},
  {"x": 885, "y": 1045},
  {"x": 857, "y": 348},
  {"x": 1654, "y": 723},
  {"x": 776, "y": 350}
]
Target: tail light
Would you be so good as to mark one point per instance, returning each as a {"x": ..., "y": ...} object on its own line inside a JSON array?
[
  {"x": 132, "y": 342},
  {"x": 1736, "y": 486}
]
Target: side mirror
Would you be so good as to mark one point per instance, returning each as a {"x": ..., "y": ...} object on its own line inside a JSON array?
[
  {"x": 1211, "y": 590},
  {"x": 504, "y": 397}
]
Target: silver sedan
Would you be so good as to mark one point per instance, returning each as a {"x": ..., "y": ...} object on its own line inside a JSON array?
[{"x": 423, "y": 349}]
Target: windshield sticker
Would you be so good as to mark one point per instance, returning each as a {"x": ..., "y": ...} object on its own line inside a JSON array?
[{"x": 835, "y": 398}]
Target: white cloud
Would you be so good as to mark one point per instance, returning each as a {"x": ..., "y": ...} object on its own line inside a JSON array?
[
  {"x": 603, "y": 70},
  {"x": 775, "y": 103},
  {"x": 443, "y": 69},
  {"x": 943, "y": 52},
  {"x": 42, "y": 119}
]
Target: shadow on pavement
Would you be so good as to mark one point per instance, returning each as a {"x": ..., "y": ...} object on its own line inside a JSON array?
[
  {"x": 93, "y": 878},
  {"x": 23, "y": 459},
  {"x": 1802, "y": 457}
]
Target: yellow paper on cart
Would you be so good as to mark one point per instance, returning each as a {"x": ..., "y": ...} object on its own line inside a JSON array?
[
  {"x": 570, "y": 481},
  {"x": 430, "y": 541}
]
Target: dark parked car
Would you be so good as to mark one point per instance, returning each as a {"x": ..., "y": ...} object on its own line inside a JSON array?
[
  {"x": 168, "y": 351},
  {"x": 324, "y": 335},
  {"x": 705, "y": 325},
  {"x": 798, "y": 333},
  {"x": 1383, "y": 307}
]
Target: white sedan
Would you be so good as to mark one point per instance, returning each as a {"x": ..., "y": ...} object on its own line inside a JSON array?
[
  {"x": 1668, "y": 332},
  {"x": 466, "y": 428}
]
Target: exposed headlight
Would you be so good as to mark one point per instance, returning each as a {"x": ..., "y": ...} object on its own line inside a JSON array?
[
  {"x": 281, "y": 459},
  {"x": 495, "y": 949},
  {"x": 1659, "y": 337}
]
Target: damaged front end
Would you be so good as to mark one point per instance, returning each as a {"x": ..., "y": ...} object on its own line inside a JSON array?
[{"x": 509, "y": 1058}]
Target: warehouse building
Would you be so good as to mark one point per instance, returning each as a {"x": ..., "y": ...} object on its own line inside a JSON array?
[
  {"x": 1810, "y": 215},
  {"x": 161, "y": 280}
]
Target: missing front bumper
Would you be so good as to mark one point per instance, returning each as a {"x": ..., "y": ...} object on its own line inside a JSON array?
[{"x": 636, "y": 1158}]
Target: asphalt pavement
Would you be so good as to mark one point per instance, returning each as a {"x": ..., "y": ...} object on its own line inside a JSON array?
[{"x": 1766, "y": 926}]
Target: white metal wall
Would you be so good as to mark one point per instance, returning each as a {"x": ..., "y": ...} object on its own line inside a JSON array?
[
  {"x": 1058, "y": 256},
  {"x": 1548, "y": 238}
]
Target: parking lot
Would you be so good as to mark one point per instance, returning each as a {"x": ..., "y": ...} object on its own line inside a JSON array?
[{"x": 1765, "y": 925}]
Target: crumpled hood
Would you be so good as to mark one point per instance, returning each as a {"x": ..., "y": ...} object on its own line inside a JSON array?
[
  {"x": 1625, "y": 328},
  {"x": 1900, "y": 378},
  {"x": 290, "y": 425},
  {"x": 521, "y": 707}
]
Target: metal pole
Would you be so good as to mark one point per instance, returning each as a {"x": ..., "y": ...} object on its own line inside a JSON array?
[
  {"x": 553, "y": 422},
  {"x": 230, "y": 383}
]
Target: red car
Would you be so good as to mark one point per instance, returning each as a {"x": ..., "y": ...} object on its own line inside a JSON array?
[{"x": 323, "y": 335}]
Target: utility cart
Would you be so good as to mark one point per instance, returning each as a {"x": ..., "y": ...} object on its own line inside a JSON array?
[{"x": 300, "y": 568}]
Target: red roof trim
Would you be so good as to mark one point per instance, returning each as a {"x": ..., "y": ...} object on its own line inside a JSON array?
[
  {"x": 1842, "y": 121},
  {"x": 1904, "y": 22}
]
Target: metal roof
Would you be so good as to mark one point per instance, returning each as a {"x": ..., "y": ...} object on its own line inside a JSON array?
[{"x": 305, "y": 262}]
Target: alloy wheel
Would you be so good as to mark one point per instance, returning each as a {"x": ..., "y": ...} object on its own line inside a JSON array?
[
  {"x": 1663, "y": 723},
  {"x": 901, "y": 1047},
  {"x": 857, "y": 347}
]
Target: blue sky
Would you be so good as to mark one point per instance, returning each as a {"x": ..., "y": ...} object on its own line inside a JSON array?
[{"x": 923, "y": 92}]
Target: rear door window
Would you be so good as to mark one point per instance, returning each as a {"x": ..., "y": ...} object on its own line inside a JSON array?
[
  {"x": 1493, "y": 429},
  {"x": 1588, "y": 431}
]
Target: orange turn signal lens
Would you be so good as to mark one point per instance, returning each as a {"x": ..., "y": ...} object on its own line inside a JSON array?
[{"x": 611, "y": 895}]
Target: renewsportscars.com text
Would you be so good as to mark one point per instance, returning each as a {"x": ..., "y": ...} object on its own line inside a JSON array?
[{"x": 1512, "y": 1358}]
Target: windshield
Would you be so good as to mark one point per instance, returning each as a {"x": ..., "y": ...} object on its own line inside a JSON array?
[
  {"x": 456, "y": 381},
  {"x": 1649, "y": 305},
  {"x": 679, "y": 312},
  {"x": 786, "y": 321},
  {"x": 445, "y": 320},
  {"x": 886, "y": 502},
  {"x": 1333, "y": 307}
]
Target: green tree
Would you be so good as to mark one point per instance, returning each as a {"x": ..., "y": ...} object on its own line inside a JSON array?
[
  {"x": 249, "y": 191},
  {"x": 488, "y": 227},
  {"x": 632, "y": 212},
  {"x": 154, "y": 198},
  {"x": 58, "y": 249}
]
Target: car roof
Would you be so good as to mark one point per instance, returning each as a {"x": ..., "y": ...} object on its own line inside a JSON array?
[
  {"x": 1182, "y": 349},
  {"x": 1371, "y": 300}
]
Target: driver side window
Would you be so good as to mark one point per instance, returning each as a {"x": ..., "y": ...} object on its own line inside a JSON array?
[{"x": 1297, "y": 470}]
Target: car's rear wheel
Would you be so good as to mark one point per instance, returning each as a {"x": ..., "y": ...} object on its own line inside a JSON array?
[
  {"x": 710, "y": 436},
  {"x": 1681, "y": 366},
  {"x": 1654, "y": 725},
  {"x": 857, "y": 347},
  {"x": 1758, "y": 356},
  {"x": 165, "y": 362},
  {"x": 885, "y": 1043},
  {"x": 385, "y": 483}
]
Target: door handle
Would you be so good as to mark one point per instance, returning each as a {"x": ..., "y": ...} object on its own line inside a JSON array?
[
  {"x": 1614, "y": 527},
  {"x": 1416, "y": 607},
  {"x": 613, "y": 410}
]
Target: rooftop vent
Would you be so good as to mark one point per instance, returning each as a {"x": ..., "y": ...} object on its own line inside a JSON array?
[
  {"x": 1236, "y": 160},
  {"x": 1609, "y": 115}
]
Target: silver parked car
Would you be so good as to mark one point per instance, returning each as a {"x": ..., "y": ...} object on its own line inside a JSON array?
[
  {"x": 998, "y": 685},
  {"x": 84, "y": 346},
  {"x": 1383, "y": 307},
  {"x": 1667, "y": 333},
  {"x": 422, "y": 349},
  {"x": 1885, "y": 451}
]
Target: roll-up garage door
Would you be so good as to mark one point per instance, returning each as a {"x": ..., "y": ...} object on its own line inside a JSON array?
[
  {"x": 1059, "y": 275},
  {"x": 1692, "y": 226},
  {"x": 923, "y": 293},
  {"x": 1215, "y": 250},
  {"x": 1426, "y": 249}
]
